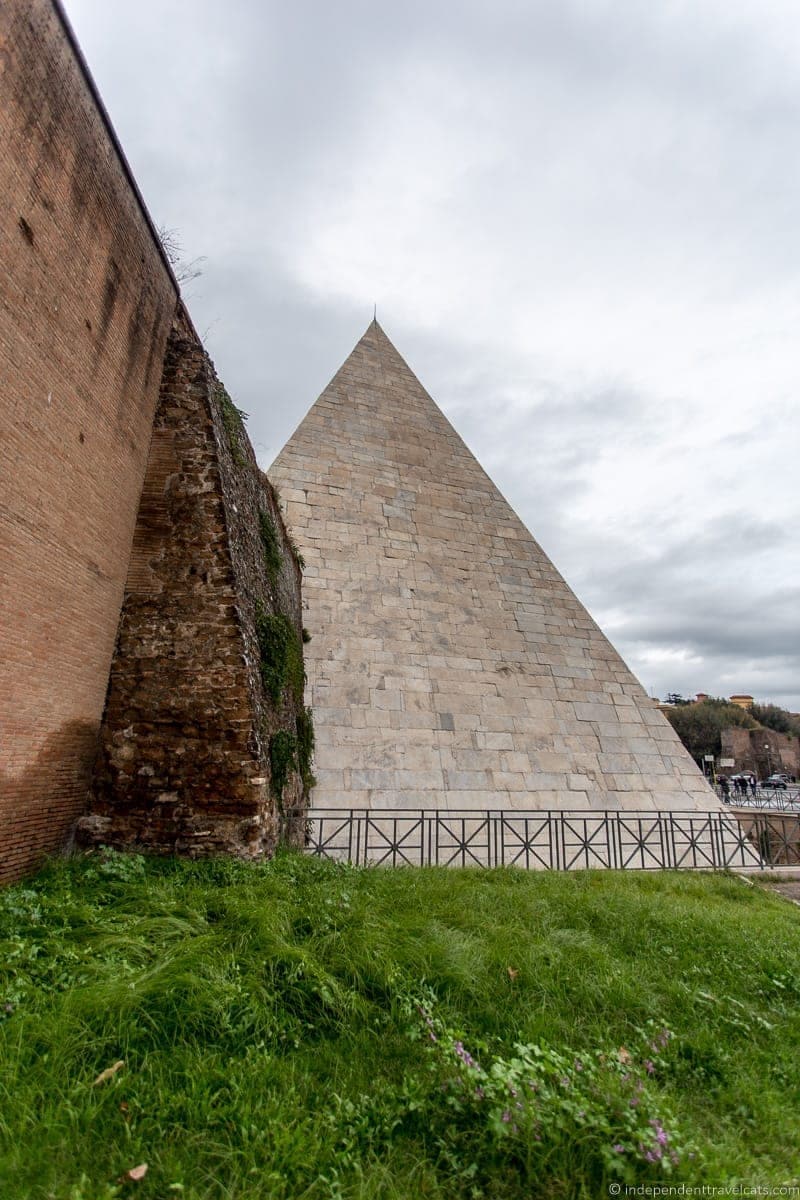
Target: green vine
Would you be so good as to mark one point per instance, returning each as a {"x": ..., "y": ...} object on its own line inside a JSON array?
[
  {"x": 272, "y": 550},
  {"x": 305, "y": 747},
  {"x": 281, "y": 654},
  {"x": 282, "y": 759}
]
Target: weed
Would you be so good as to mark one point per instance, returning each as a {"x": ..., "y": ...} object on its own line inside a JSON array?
[
  {"x": 271, "y": 547},
  {"x": 305, "y": 747},
  {"x": 301, "y": 562},
  {"x": 281, "y": 655},
  {"x": 282, "y": 759},
  {"x": 232, "y": 420}
]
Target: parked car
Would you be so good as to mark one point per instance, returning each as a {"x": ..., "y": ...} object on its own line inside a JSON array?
[{"x": 773, "y": 781}]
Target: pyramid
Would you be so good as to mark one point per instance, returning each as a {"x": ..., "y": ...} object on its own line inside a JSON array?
[{"x": 450, "y": 665}]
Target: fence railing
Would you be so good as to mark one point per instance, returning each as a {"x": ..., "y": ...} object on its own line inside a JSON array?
[
  {"x": 548, "y": 840},
  {"x": 777, "y": 801}
]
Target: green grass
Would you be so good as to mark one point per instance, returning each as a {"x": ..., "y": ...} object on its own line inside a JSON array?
[{"x": 275, "y": 1022}]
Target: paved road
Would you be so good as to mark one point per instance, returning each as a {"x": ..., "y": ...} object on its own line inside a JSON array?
[{"x": 788, "y": 888}]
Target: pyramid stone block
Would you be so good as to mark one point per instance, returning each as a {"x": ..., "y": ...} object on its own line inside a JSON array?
[{"x": 450, "y": 665}]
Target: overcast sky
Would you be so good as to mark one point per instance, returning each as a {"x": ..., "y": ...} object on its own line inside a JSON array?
[{"x": 579, "y": 221}]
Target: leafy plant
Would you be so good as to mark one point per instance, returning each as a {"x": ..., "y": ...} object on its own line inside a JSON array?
[
  {"x": 282, "y": 759},
  {"x": 271, "y": 547},
  {"x": 281, "y": 655},
  {"x": 520, "y": 1110},
  {"x": 305, "y": 747}
]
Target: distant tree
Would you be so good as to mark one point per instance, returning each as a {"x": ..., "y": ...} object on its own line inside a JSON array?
[
  {"x": 676, "y": 698},
  {"x": 700, "y": 726},
  {"x": 773, "y": 717}
]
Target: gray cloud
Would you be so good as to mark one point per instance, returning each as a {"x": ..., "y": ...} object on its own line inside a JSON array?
[{"x": 578, "y": 221}]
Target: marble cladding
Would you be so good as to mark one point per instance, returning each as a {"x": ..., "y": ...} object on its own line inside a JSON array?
[{"x": 450, "y": 664}]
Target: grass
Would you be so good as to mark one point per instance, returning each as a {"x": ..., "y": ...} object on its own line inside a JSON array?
[{"x": 301, "y": 1029}]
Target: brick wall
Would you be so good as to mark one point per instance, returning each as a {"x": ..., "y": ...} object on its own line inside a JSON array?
[
  {"x": 86, "y": 303},
  {"x": 748, "y": 749},
  {"x": 185, "y": 762}
]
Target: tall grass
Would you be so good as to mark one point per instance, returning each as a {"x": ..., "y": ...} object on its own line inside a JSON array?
[{"x": 292, "y": 1030}]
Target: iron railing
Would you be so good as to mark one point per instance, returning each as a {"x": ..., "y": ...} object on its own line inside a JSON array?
[
  {"x": 548, "y": 840},
  {"x": 777, "y": 801}
]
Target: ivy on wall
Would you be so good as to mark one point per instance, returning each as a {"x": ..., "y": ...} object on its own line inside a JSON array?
[
  {"x": 305, "y": 747},
  {"x": 281, "y": 654},
  {"x": 282, "y": 760}
]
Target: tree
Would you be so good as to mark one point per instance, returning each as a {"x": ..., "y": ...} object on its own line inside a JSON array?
[
  {"x": 699, "y": 726},
  {"x": 773, "y": 717}
]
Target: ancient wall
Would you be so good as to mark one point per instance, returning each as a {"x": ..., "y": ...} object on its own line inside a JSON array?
[
  {"x": 761, "y": 750},
  {"x": 86, "y": 302},
  {"x": 205, "y": 735},
  {"x": 204, "y": 721}
]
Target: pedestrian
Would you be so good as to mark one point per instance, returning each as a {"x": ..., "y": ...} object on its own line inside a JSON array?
[
  {"x": 753, "y": 785},
  {"x": 724, "y": 787}
]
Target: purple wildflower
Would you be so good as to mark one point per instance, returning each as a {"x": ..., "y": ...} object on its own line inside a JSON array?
[
  {"x": 506, "y": 1117},
  {"x": 464, "y": 1055},
  {"x": 564, "y": 1081},
  {"x": 618, "y": 1148},
  {"x": 661, "y": 1134},
  {"x": 660, "y": 1040},
  {"x": 649, "y": 1066},
  {"x": 578, "y": 1065}
]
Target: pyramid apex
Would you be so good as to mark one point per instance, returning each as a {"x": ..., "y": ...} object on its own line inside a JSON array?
[{"x": 451, "y": 664}]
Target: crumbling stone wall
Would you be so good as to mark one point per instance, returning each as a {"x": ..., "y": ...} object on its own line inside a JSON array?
[
  {"x": 199, "y": 745},
  {"x": 86, "y": 302},
  {"x": 761, "y": 751}
]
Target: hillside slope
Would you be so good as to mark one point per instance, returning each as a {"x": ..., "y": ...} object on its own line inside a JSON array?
[{"x": 303, "y": 1029}]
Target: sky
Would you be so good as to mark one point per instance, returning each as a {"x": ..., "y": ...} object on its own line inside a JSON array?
[{"x": 579, "y": 222}]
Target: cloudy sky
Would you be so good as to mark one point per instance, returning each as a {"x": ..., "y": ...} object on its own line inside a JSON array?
[{"x": 579, "y": 221}]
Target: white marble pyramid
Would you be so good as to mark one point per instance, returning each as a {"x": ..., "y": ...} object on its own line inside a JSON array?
[{"x": 450, "y": 665}]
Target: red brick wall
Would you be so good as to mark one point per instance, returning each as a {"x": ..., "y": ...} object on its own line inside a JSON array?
[{"x": 85, "y": 307}]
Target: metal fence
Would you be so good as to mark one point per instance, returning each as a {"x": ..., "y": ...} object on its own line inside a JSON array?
[
  {"x": 548, "y": 840},
  {"x": 777, "y": 801}
]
